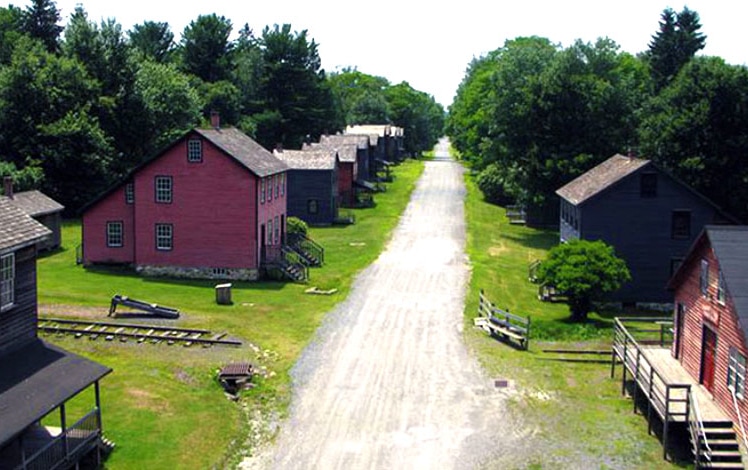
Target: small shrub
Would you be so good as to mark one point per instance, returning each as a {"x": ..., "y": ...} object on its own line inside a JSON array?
[
  {"x": 296, "y": 226},
  {"x": 491, "y": 182}
]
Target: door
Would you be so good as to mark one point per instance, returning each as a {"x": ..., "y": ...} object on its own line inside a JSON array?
[
  {"x": 708, "y": 357},
  {"x": 679, "y": 318}
]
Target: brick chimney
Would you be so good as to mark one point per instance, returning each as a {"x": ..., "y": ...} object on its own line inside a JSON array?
[
  {"x": 279, "y": 147},
  {"x": 215, "y": 120},
  {"x": 8, "y": 187}
]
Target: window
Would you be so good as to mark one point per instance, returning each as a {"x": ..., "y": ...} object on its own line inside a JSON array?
[
  {"x": 114, "y": 234},
  {"x": 736, "y": 372},
  {"x": 269, "y": 188},
  {"x": 277, "y": 185},
  {"x": 648, "y": 185},
  {"x": 262, "y": 190},
  {"x": 270, "y": 232},
  {"x": 164, "y": 237},
  {"x": 283, "y": 183},
  {"x": 721, "y": 288},
  {"x": 7, "y": 281},
  {"x": 276, "y": 230},
  {"x": 312, "y": 206},
  {"x": 129, "y": 193},
  {"x": 704, "y": 277},
  {"x": 681, "y": 225},
  {"x": 164, "y": 189},
  {"x": 194, "y": 150}
]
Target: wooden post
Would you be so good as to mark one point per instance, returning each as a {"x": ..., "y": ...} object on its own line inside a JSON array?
[
  {"x": 666, "y": 422},
  {"x": 636, "y": 378},
  {"x": 64, "y": 427},
  {"x": 625, "y": 354},
  {"x": 649, "y": 399},
  {"x": 527, "y": 335}
]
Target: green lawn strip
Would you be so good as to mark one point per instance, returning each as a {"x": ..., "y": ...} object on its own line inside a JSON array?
[
  {"x": 575, "y": 411},
  {"x": 162, "y": 405}
]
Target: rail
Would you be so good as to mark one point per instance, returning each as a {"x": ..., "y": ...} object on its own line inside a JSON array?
[
  {"x": 501, "y": 322},
  {"x": 63, "y": 450},
  {"x": 307, "y": 248},
  {"x": 740, "y": 417},
  {"x": 699, "y": 439}
]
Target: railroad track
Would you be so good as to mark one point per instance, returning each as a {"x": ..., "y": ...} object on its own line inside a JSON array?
[{"x": 141, "y": 333}]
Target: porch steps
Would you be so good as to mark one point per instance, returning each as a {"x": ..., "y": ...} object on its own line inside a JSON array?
[{"x": 723, "y": 442}]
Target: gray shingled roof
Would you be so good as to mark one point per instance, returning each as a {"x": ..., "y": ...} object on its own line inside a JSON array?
[
  {"x": 18, "y": 229},
  {"x": 380, "y": 130},
  {"x": 600, "y": 178},
  {"x": 313, "y": 159},
  {"x": 346, "y": 152},
  {"x": 360, "y": 140},
  {"x": 244, "y": 150},
  {"x": 36, "y": 203},
  {"x": 730, "y": 246}
]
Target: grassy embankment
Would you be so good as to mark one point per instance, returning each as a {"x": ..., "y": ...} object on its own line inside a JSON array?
[
  {"x": 162, "y": 405},
  {"x": 575, "y": 410}
]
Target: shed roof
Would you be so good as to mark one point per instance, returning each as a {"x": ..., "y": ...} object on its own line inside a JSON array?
[
  {"x": 36, "y": 379},
  {"x": 244, "y": 150},
  {"x": 322, "y": 158},
  {"x": 599, "y": 178},
  {"x": 36, "y": 203},
  {"x": 17, "y": 228}
]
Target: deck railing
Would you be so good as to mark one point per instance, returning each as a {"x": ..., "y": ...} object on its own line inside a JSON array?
[
  {"x": 671, "y": 401},
  {"x": 65, "y": 449},
  {"x": 698, "y": 433}
]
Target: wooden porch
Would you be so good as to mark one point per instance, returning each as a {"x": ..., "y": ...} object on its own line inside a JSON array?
[{"x": 642, "y": 346}]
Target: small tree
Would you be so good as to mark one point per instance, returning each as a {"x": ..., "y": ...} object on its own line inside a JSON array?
[{"x": 584, "y": 270}]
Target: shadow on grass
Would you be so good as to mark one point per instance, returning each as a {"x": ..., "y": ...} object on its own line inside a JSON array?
[
  {"x": 50, "y": 253},
  {"x": 536, "y": 239}
]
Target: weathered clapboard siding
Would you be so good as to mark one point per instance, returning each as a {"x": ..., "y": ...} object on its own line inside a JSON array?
[
  {"x": 54, "y": 223},
  {"x": 346, "y": 172},
  {"x": 639, "y": 228},
  {"x": 112, "y": 208},
  {"x": 706, "y": 311},
  {"x": 307, "y": 185},
  {"x": 18, "y": 325}
]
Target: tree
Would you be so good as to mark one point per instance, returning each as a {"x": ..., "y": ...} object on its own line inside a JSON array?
[
  {"x": 206, "y": 49},
  {"x": 152, "y": 40},
  {"x": 361, "y": 97},
  {"x": 420, "y": 116},
  {"x": 676, "y": 43},
  {"x": 585, "y": 271},
  {"x": 11, "y": 29},
  {"x": 40, "y": 21}
]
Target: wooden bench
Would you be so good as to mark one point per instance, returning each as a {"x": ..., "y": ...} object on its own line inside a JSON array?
[{"x": 501, "y": 323}]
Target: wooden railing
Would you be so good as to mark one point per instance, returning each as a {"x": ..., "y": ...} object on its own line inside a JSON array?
[
  {"x": 312, "y": 251},
  {"x": 66, "y": 448},
  {"x": 698, "y": 433},
  {"x": 501, "y": 322}
]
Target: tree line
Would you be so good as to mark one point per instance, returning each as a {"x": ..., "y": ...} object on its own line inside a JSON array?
[
  {"x": 531, "y": 115},
  {"x": 83, "y": 104}
]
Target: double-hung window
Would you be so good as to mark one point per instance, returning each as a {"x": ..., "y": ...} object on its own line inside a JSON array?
[
  {"x": 114, "y": 234},
  {"x": 194, "y": 150},
  {"x": 736, "y": 372},
  {"x": 721, "y": 288},
  {"x": 283, "y": 183},
  {"x": 269, "y": 187},
  {"x": 164, "y": 237},
  {"x": 7, "y": 281},
  {"x": 262, "y": 190},
  {"x": 164, "y": 189},
  {"x": 704, "y": 278},
  {"x": 129, "y": 193}
]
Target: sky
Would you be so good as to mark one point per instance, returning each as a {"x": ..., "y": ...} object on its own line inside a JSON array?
[{"x": 429, "y": 45}]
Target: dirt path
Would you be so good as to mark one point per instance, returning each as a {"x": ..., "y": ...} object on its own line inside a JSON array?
[{"x": 388, "y": 382}]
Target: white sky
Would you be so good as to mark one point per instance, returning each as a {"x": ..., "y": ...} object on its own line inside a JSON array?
[{"x": 430, "y": 45}]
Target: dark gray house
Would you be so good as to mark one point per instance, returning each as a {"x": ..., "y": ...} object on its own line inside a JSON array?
[
  {"x": 312, "y": 187},
  {"x": 648, "y": 216},
  {"x": 41, "y": 208},
  {"x": 338, "y": 141},
  {"x": 37, "y": 379}
]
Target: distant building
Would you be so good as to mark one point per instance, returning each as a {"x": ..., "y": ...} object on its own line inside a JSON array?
[
  {"x": 41, "y": 208},
  {"x": 649, "y": 217}
]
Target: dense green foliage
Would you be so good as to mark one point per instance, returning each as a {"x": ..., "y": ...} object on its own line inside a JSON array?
[
  {"x": 82, "y": 104},
  {"x": 584, "y": 271},
  {"x": 296, "y": 226},
  {"x": 543, "y": 114}
]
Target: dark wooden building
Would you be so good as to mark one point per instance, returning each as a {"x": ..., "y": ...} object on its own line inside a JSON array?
[
  {"x": 648, "y": 216},
  {"x": 313, "y": 193},
  {"x": 711, "y": 315},
  {"x": 37, "y": 379},
  {"x": 41, "y": 208}
]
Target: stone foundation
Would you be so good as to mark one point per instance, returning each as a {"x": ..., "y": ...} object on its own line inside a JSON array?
[{"x": 222, "y": 274}]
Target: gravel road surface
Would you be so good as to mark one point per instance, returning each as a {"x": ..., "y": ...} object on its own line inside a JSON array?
[{"x": 388, "y": 383}]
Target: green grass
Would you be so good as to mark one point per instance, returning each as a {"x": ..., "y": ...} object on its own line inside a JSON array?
[
  {"x": 576, "y": 411},
  {"x": 162, "y": 405}
]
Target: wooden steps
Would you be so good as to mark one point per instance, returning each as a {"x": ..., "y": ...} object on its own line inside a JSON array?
[{"x": 723, "y": 450}]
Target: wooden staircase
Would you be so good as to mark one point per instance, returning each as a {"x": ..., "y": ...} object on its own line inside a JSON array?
[
  {"x": 311, "y": 252},
  {"x": 720, "y": 449}
]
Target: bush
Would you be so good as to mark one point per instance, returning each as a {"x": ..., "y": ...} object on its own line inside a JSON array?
[
  {"x": 296, "y": 226},
  {"x": 491, "y": 182}
]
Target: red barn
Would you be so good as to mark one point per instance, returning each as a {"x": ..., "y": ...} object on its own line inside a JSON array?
[
  {"x": 212, "y": 205},
  {"x": 711, "y": 315}
]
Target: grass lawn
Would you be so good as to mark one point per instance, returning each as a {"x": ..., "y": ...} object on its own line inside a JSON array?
[
  {"x": 162, "y": 405},
  {"x": 574, "y": 412}
]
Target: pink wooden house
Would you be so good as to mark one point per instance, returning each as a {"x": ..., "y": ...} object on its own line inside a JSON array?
[{"x": 212, "y": 205}]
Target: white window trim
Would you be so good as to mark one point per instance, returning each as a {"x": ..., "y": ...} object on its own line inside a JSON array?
[
  {"x": 130, "y": 193},
  {"x": 721, "y": 294},
  {"x": 195, "y": 151},
  {"x": 7, "y": 281},
  {"x": 163, "y": 237},
  {"x": 736, "y": 373},
  {"x": 262, "y": 190},
  {"x": 164, "y": 186},
  {"x": 110, "y": 234}
]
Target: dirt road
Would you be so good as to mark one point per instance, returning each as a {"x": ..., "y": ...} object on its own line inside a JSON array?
[{"x": 388, "y": 382}]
